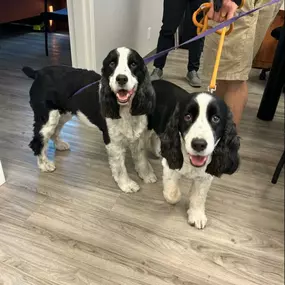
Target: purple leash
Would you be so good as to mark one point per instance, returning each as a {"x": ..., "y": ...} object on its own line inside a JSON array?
[
  {"x": 204, "y": 34},
  {"x": 84, "y": 87}
]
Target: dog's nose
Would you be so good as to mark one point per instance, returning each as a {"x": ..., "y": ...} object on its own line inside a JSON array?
[
  {"x": 199, "y": 144},
  {"x": 122, "y": 79}
]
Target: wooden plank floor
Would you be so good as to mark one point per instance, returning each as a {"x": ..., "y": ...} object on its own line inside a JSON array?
[{"x": 75, "y": 227}]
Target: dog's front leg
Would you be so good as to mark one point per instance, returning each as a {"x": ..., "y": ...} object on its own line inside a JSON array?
[
  {"x": 142, "y": 165},
  {"x": 171, "y": 190},
  {"x": 152, "y": 143},
  {"x": 196, "y": 212},
  {"x": 116, "y": 153}
]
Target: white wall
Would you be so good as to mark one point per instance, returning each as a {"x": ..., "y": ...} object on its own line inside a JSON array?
[
  {"x": 97, "y": 26},
  {"x": 126, "y": 23},
  {"x": 115, "y": 23},
  {"x": 149, "y": 15}
]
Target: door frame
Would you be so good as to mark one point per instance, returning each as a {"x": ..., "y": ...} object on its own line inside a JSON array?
[{"x": 81, "y": 21}]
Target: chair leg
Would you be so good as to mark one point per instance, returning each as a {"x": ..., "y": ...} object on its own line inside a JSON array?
[
  {"x": 46, "y": 25},
  {"x": 262, "y": 75},
  {"x": 46, "y": 37},
  {"x": 278, "y": 169},
  {"x": 46, "y": 42}
]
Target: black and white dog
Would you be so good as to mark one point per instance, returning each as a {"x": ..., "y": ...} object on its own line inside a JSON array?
[
  {"x": 194, "y": 133},
  {"x": 197, "y": 138},
  {"x": 118, "y": 105}
]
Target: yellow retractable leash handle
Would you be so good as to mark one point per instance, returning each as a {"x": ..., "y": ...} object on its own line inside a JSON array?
[{"x": 202, "y": 26}]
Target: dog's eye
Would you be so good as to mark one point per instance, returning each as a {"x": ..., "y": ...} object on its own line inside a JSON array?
[
  {"x": 133, "y": 64},
  {"x": 112, "y": 64},
  {"x": 215, "y": 119},
  {"x": 188, "y": 118}
]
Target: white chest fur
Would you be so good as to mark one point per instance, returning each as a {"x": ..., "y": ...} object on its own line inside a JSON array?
[{"x": 127, "y": 128}]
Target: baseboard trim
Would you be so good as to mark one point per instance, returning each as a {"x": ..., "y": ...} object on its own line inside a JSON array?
[{"x": 2, "y": 177}]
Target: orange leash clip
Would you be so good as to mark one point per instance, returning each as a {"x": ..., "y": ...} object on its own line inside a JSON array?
[{"x": 202, "y": 26}]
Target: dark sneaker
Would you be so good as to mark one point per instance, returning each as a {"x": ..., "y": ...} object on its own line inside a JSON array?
[
  {"x": 194, "y": 79},
  {"x": 156, "y": 74}
]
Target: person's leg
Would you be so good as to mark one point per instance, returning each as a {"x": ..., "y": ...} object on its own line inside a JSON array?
[
  {"x": 238, "y": 52},
  {"x": 235, "y": 64},
  {"x": 172, "y": 14},
  {"x": 195, "y": 48},
  {"x": 235, "y": 92},
  {"x": 265, "y": 18}
]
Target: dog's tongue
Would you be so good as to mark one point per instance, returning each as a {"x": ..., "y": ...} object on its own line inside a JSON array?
[
  {"x": 122, "y": 94},
  {"x": 198, "y": 160}
]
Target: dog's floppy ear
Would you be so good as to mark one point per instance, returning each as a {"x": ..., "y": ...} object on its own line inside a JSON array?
[
  {"x": 108, "y": 101},
  {"x": 225, "y": 158},
  {"x": 171, "y": 143},
  {"x": 144, "y": 100}
]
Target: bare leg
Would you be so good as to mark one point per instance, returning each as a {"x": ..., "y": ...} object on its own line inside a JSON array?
[
  {"x": 59, "y": 144},
  {"x": 116, "y": 153},
  {"x": 196, "y": 212},
  {"x": 142, "y": 165},
  {"x": 171, "y": 191},
  {"x": 235, "y": 94},
  {"x": 46, "y": 132}
]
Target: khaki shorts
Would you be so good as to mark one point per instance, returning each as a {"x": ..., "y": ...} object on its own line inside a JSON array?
[{"x": 241, "y": 46}]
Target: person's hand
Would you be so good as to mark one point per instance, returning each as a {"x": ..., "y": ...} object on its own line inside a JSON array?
[{"x": 226, "y": 12}]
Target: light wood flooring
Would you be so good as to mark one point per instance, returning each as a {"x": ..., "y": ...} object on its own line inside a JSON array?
[{"x": 75, "y": 227}]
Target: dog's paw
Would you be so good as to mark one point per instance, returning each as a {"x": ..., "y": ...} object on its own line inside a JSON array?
[
  {"x": 197, "y": 218},
  {"x": 146, "y": 174},
  {"x": 46, "y": 166},
  {"x": 61, "y": 145},
  {"x": 148, "y": 177},
  {"x": 172, "y": 196},
  {"x": 129, "y": 187}
]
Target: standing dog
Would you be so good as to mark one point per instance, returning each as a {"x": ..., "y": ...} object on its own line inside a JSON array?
[
  {"x": 197, "y": 138},
  {"x": 118, "y": 104}
]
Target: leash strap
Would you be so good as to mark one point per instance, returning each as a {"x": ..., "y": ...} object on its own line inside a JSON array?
[
  {"x": 212, "y": 86},
  {"x": 83, "y": 88},
  {"x": 210, "y": 31}
]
